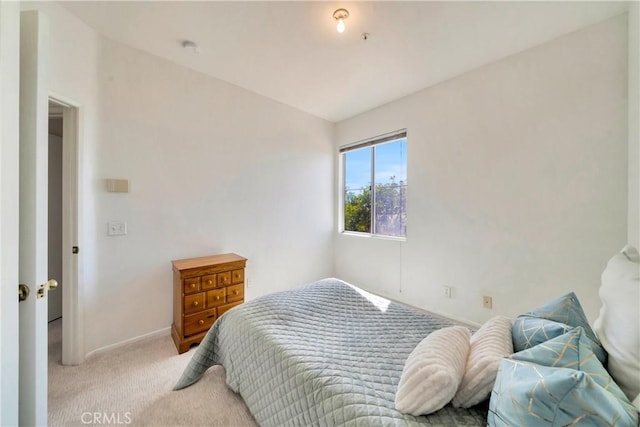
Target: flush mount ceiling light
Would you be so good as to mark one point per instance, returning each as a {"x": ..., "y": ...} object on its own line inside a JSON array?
[{"x": 340, "y": 15}]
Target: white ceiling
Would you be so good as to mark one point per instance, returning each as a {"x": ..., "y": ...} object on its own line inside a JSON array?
[{"x": 291, "y": 52}]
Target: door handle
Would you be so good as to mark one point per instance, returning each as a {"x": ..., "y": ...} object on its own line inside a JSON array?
[
  {"x": 23, "y": 292},
  {"x": 50, "y": 285}
]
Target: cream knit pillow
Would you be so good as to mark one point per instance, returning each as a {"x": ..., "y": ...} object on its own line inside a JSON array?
[
  {"x": 618, "y": 325},
  {"x": 433, "y": 371},
  {"x": 489, "y": 345}
]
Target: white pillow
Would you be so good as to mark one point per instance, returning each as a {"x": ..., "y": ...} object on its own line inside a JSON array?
[
  {"x": 433, "y": 371},
  {"x": 618, "y": 325},
  {"x": 489, "y": 345}
]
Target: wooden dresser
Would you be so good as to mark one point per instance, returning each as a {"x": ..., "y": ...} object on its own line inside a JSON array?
[{"x": 203, "y": 289}]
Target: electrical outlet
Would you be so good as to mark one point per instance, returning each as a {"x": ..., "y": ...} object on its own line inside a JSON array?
[
  {"x": 446, "y": 291},
  {"x": 249, "y": 283},
  {"x": 487, "y": 301},
  {"x": 117, "y": 228}
]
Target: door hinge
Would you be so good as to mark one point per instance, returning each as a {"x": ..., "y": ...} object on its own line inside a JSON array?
[{"x": 75, "y": 249}]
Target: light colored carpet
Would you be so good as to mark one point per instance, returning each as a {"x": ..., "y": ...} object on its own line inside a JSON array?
[{"x": 132, "y": 385}]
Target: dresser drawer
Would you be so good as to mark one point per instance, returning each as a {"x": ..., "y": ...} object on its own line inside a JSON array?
[
  {"x": 235, "y": 293},
  {"x": 199, "y": 322},
  {"x": 216, "y": 297},
  {"x": 191, "y": 285},
  {"x": 208, "y": 282},
  {"x": 224, "y": 279},
  {"x": 224, "y": 308},
  {"x": 237, "y": 276},
  {"x": 194, "y": 303}
]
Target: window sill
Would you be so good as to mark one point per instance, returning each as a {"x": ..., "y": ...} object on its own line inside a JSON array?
[{"x": 373, "y": 236}]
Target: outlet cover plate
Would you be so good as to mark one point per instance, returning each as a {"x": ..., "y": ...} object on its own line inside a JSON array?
[
  {"x": 117, "y": 228},
  {"x": 487, "y": 301}
]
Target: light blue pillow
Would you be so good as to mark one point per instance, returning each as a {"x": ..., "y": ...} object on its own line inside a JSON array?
[
  {"x": 528, "y": 331},
  {"x": 565, "y": 309},
  {"x": 572, "y": 350},
  {"x": 553, "y": 319},
  {"x": 527, "y": 394}
]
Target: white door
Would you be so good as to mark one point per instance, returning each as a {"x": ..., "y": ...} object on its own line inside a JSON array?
[
  {"x": 32, "y": 398},
  {"x": 9, "y": 217}
]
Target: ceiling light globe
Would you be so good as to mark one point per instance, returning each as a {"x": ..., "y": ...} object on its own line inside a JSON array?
[{"x": 340, "y": 26}]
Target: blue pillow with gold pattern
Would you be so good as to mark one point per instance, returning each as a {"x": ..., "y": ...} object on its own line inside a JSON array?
[
  {"x": 528, "y": 331},
  {"x": 551, "y": 320},
  {"x": 528, "y": 394},
  {"x": 571, "y": 350},
  {"x": 556, "y": 383}
]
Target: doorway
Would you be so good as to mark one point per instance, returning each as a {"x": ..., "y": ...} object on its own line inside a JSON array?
[
  {"x": 55, "y": 249},
  {"x": 55, "y": 211},
  {"x": 63, "y": 234}
]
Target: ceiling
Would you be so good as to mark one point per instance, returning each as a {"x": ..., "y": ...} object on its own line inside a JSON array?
[{"x": 292, "y": 53}]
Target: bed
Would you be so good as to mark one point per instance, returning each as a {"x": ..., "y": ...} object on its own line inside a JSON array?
[
  {"x": 331, "y": 354},
  {"x": 325, "y": 354}
]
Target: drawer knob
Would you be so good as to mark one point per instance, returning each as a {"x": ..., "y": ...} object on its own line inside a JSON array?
[
  {"x": 195, "y": 303},
  {"x": 201, "y": 322},
  {"x": 193, "y": 285},
  {"x": 217, "y": 298},
  {"x": 235, "y": 292},
  {"x": 209, "y": 282}
]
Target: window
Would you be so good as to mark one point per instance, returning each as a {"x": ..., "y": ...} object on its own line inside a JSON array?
[{"x": 378, "y": 209}]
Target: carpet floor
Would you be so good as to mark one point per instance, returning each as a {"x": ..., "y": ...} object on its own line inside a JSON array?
[{"x": 132, "y": 385}]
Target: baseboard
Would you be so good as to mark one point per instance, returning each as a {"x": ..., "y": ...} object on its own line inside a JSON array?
[{"x": 158, "y": 333}]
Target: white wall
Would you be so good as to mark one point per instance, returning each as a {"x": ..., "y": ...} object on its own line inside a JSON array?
[
  {"x": 517, "y": 177},
  {"x": 212, "y": 168},
  {"x": 9, "y": 159}
]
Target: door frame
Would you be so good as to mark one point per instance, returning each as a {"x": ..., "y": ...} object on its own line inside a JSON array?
[{"x": 72, "y": 334}]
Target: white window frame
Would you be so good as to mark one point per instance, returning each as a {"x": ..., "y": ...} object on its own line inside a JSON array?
[{"x": 378, "y": 140}]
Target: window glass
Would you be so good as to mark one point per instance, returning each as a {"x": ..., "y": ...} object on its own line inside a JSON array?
[
  {"x": 378, "y": 209},
  {"x": 357, "y": 190},
  {"x": 390, "y": 188}
]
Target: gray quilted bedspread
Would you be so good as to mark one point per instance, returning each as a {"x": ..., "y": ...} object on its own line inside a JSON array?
[{"x": 325, "y": 354}]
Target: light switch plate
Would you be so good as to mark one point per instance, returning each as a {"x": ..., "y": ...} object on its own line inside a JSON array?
[{"x": 117, "y": 228}]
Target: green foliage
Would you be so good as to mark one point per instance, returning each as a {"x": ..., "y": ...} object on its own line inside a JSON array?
[
  {"x": 390, "y": 209},
  {"x": 357, "y": 211}
]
